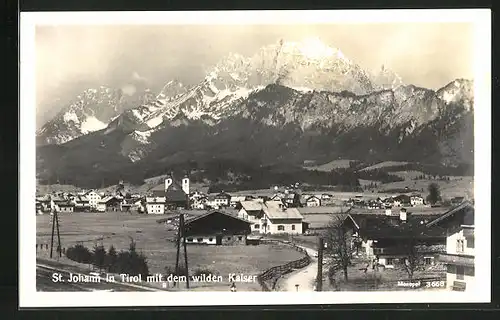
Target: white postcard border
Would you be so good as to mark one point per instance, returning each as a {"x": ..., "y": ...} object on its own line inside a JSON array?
[{"x": 29, "y": 297}]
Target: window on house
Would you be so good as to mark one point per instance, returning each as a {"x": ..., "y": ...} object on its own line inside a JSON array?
[
  {"x": 460, "y": 245},
  {"x": 428, "y": 260},
  {"x": 228, "y": 238},
  {"x": 470, "y": 242},
  {"x": 281, "y": 227},
  {"x": 190, "y": 239},
  {"x": 256, "y": 226},
  {"x": 293, "y": 227},
  {"x": 210, "y": 239},
  {"x": 460, "y": 272},
  {"x": 240, "y": 238},
  {"x": 199, "y": 239},
  {"x": 389, "y": 261}
]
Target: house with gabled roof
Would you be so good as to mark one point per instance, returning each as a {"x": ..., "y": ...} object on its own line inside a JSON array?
[
  {"x": 313, "y": 201},
  {"x": 459, "y": 257},
  {"x": 386, "y": 237},
  {"x": 216, "y": 227},
  {"x": 93, "y": 198},
  {"x": 277, "y": 218}
]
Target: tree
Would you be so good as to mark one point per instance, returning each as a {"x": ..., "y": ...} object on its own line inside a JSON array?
[
  {"x": 413, "y": 257},
  {"x": 99, "y": 256},
  {"x": 339, "y": 242},
  {"x": 111, "y": 259},
  {"x": 434, "y": 193}
]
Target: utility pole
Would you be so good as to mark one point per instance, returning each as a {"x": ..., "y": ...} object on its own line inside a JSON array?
[
  {"x": 55, "y": 221},
  {"x": 185, "y": 249},
  {"x": 181, "y": 237},
  {"x": 178, "y": 249},
  {"x": 319, "y": 277}
]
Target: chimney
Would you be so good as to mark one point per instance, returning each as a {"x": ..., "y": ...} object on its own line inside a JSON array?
[
  {"x": 402, "y": 214},
  {"x": 388, "y": 212}
]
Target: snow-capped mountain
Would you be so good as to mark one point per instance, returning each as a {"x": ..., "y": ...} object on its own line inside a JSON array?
[
  {"x": 288, "y": 102},
  {"x": 90, "y": 111},
  {"x": 458, "y": 91},
  {"x": 384, "y": 79},
  {"x": 306, "y": 66}
]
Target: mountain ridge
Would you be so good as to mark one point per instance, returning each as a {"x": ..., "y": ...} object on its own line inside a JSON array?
[{"x": 259, "y": 109}]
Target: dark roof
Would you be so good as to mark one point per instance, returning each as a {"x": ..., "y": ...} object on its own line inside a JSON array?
[
  {"x": 382, "y": 226},
  {"x": 175, "y": 195},
  {"x": 402, "y": 197},
  {"x": 313, "y": 197},
  {"x": 223, "y": 195},
  {"x": 160, "y": 187},
  {"x": 466, "y": 205},
  {"x": 66, "y": 204},
  {"x": 338, "y": 218},
  {"x": 215, "y": 211}
]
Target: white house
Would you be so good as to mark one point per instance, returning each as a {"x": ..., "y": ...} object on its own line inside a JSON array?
[
  {"x": 280, "y": 219},
  {"x": 199, "y": 203},
  {"x": 416, "y": 201},
  {"x": 460, "y": 252},
  {"x": 155, "y": 205},
  {"x": 236, "y": 199},
  {"x": 93, "y": 198},
  {"x": 222, "y": 200},
  {"x": 271, "y": 217},
  {"x": 313, "y": 201},
  {"x": 252, "y": 211}
]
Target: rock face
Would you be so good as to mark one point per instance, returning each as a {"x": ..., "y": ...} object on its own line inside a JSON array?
[
  {"x": 289, "y": 102},
  {"x": 90, "y": 111}
]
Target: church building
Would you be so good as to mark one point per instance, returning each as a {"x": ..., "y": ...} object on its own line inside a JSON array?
[{"x": 176, "y": 193}]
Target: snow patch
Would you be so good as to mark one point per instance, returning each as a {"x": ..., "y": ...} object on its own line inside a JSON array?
[
  {"x": 302, "y": 89},
  {"x": 448, "y": 96},
  {"x": 142, "y": 136},
  {"x": 71, "y": 116},
  {"x": 154, "y": 122},
  {"x": 92, "y": 124},
  {"x": 137, "y": 114}
]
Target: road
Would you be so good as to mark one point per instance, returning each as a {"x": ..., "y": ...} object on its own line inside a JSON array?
[
  {"x": 304, "y": 277},
  {"x": 44, "y": 282}
]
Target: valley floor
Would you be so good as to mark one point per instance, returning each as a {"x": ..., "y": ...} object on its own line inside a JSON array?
[{"x": 155, "y": 241}]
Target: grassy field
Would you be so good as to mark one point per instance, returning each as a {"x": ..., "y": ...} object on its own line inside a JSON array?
[
  {"x": 335, "y": 164},
  {"x": 153, "y": 239},
  {"x": 384, "y": 164},
  {"x": 456, "y": 187},
  {"x": 408, "y": 175}
]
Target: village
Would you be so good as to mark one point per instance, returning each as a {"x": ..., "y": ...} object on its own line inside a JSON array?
[{"x": 380, "y": 228}]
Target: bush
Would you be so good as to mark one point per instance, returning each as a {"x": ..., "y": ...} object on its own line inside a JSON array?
[
  {"x": 129, "y": 262},
  {"x": 201, "y": 271},
  {"x": 111, "y": 259},
  {"x": 171, "y": 270},
  {"x": 99, "y": 256},
  {"x": 79, "y": 253}
]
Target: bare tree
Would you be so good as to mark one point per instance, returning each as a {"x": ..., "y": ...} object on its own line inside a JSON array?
[
  {"x": 339, "y": 246},
  {"x": 414, "y": 259}
]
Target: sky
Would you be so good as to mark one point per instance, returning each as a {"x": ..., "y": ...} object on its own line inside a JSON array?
[{"x": 70, "y": 59}]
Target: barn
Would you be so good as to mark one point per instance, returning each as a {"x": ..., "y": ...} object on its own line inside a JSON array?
[{"x": 216, "y": 228}]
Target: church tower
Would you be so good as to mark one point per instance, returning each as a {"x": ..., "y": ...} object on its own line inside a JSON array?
[
  {"x": 185, "y": 184},
  {"x": 168, "y": 182}
]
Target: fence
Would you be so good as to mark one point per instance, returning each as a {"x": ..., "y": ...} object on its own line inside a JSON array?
[
  {"x": 274, "y": 273},
  {"x": 45, "y": 247}
]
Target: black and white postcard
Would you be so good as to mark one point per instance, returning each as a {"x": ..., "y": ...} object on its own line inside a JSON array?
[{"x": 255, "y": 157}]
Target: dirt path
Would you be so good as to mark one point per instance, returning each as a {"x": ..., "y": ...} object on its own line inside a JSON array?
[{"x": 304, "y": 278}]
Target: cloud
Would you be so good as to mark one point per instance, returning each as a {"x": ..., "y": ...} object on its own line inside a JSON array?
[
  {"x": 138, "y": 77},
  {"x": 129, "y": 89}
]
